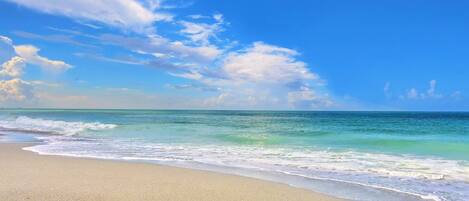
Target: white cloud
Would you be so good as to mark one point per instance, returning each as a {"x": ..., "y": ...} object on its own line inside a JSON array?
[
  {"x": 259, "y": 76},
  {"x": 192, "y": 75},
  {"x": 6, "y": 40},
  {"x": 197, "y": 53},
  {"x": 308, "y": 98},
  {"x": 413, "y": 94},
  {"x": 45, "y": 83},
  {"x": 125, "y": 14},
  {"x": 15, "y": 90},
  {"x": 13, "y": 67},
  {"x": 58, "y": 38},
  {"x": 198, "y": 32},
  {"x": 201, "y": 33},
  {"x": 430, "y": 93},
  {"x": 386, "y": 90},
  {"x": 198, "y": 16},
  {"x": 123, "y": 60},
  {"x": 262, "y": 76},
  {"x": 21, "y": 54},
  {"x": 218, "y": 17},
  {"x": 387, "y": 85},
  {"x": 431, "y": 90},
  {"x": 153, "y": 4},
  {"x": 266, "y": 63},
  {"x": 456, "y": 95},
  {"x": 30, "y": 55},
  {"x": 6, "y": 49},
  {"x": 163, "y": 48}
]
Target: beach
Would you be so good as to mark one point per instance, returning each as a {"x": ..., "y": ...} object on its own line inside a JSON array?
[
  {"x": 234, "y": 155},
  {"x": 29, "y": 176}
]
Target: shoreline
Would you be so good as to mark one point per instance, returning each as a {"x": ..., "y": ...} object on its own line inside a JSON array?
[{"x": 28, "y": 175}]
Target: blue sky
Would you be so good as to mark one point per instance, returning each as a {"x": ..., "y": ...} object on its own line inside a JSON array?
[{"x": 306, "y": 55}]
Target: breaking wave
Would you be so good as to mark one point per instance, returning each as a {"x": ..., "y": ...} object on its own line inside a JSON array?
[{"x": 27, "y": 124}]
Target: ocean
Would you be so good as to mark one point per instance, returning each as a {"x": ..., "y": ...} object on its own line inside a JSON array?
[{"x": 352, "y": 155}]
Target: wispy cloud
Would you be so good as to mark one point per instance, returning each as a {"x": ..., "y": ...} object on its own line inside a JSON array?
[
  {"x": 201, "y": 33},
  {"x": 57, "y": 38},
  {"x": 123, "y": 60},
  {"x": 128, "y": 15},
  {"x": 160, "y": 47},
  {"x": 198, "y": 16},
  {"x": 6, "y": 48},
  {"x": 386, "y": 89}
]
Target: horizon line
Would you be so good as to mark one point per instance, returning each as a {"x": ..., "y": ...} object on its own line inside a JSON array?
[{"x": 254, "y": 110}]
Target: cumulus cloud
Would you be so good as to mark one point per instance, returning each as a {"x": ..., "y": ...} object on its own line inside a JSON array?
[
  {"x": 125, "y": 14},
  {"x": 30, "y": 54},
  {"x": 262, "y": 75},
  {"x": 19, "y": 55},
  {"x": 266, "y": 63},
  {"x": 15, "y": 90},
  {"x": 13, "y": 67}
]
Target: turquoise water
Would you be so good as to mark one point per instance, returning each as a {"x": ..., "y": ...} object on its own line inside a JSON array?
[{"x": 398, "y": 155}]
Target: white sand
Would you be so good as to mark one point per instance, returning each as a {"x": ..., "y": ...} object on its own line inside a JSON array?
[{"x": 27, "y": 176}]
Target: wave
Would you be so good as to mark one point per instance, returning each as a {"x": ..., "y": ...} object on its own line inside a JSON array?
[
  {"x": 427, "y": 178},
  {"x": 37, "y": 125}
]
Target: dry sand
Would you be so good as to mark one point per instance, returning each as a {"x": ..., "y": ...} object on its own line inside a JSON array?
[{"x": 28, "y": 176}]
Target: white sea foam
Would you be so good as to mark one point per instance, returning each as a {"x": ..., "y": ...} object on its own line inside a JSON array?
[
  {"x": 27, "y": 124},
  {"x": 429, "y": 178}
]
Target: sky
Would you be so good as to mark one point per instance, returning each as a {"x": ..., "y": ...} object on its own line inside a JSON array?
[{"x": 263, "y": 54}]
